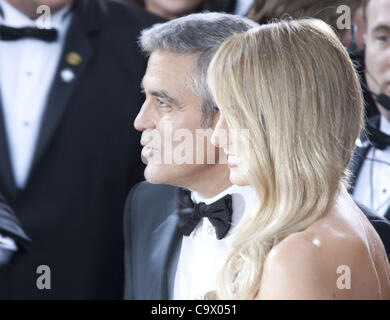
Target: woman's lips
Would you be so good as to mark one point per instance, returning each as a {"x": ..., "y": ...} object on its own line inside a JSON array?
[{"x": 232, "y": 162}]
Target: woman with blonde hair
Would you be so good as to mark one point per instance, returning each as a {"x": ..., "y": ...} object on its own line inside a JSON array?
[{"x": 294, "y": 87}]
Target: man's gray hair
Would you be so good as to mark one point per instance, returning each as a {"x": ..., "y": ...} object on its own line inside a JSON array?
[{"x": 196, "y": 33}]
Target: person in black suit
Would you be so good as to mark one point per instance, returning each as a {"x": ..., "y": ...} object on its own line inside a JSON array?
[
  {"x": 68, "y": 161},
  {"x": 371, "y": 160},
  {"x": 177, "y": 96},
  {"x": 12, "y": 236}
]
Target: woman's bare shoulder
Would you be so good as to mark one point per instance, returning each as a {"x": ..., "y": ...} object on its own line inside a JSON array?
[
  {"x": 317, "y": 263},
  {"x": 339, "y": 256}
]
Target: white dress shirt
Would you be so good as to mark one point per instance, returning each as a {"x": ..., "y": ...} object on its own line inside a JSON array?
[
  {"x": 27, "y": 70},
  {"x": 373, "y": 184},
  {"x": 202, "y": 255},
  {"x": 7, "y": 248}
]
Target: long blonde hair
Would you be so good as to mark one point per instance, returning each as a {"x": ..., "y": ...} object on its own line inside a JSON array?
[{"x": 293, "y": 85}]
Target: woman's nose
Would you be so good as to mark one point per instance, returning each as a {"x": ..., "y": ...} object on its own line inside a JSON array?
[{"x": 219, "y": 136}]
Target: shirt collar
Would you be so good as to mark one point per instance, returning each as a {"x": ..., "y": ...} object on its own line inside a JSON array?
[
  {"x": 385, "y": 125},
  {"x": 243, "y": 198},
  {"x": 12, "y": 17},
  {"x": 198, "y": 198}
]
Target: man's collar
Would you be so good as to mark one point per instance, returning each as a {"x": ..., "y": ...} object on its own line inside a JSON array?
[
  {"x": 242, "y": 194},
  {"x": 385, "y": 125},
  {"x": 197, "y": 198}
]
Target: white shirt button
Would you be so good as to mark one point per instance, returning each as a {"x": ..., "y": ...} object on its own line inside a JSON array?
[
  {"x": 211, "y": 230},
  {"x": 67, "y": 75}
]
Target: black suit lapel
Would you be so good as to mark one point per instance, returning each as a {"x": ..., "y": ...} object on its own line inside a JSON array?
[
  {"x": 166, "y": 242},
  {"x": 6, "y": 173},
  {"x": 77, "y": 42},
  {"x": 387, "y": 214}
]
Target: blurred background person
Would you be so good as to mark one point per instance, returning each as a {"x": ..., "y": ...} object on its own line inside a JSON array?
[
  {"x": 68, "y": 152},
  {"x": 170, "y": 9},
  {"x": 12, "y": 236},
  {"x": 371, "y": 162},
  {"x": 263, "y": 11}
]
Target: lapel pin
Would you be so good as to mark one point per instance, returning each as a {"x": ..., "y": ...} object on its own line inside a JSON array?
[
  {"x": 73, "y": 58},
  {"x": 67, "y": 75}
]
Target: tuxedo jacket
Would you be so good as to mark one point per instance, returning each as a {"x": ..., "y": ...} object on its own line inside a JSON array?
[
  {"x": 360, "y": 154},
  {"x": 153, "y": 241},
  {"x": 86, "y": 160}
]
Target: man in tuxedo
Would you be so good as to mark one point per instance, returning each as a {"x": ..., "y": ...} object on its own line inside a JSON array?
[
  {"x": 371, "y": 161},
  {"x": 12, "y": 236},
  {"x": 68, "y": 156},
  {"x": 167, "y": 257}
]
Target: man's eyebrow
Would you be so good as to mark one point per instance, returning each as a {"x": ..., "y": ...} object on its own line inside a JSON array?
[
  {"x": 381, "y": 27},
  {"x": 162, "y": 94}
]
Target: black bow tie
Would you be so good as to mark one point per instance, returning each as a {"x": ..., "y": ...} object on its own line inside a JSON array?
[
  {"x": 378, "y": 139},
  {"x": 219, "y": 213},
  {"x": 9, "y": 33}
]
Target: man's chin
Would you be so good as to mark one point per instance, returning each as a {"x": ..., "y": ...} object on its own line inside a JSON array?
[{"x": 154, "y": 175}]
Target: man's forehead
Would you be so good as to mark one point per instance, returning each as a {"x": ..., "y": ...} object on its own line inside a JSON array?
[
  {"x": 169, "y": 69},
  {"x": 170, "y": 62},
  {"x": 378, "y": 13},
  {"x": 160, "y": 78}
]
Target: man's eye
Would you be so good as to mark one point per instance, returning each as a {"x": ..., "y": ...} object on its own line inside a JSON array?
[
  {"x": 383, "y": 38},
  {"x": 162, "y": 104}
]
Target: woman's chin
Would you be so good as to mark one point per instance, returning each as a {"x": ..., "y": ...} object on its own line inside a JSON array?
[{"x": 236, "y": 178}]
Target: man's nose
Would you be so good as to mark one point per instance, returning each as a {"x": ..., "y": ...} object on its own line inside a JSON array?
[{"x": 144, "y": 119}]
